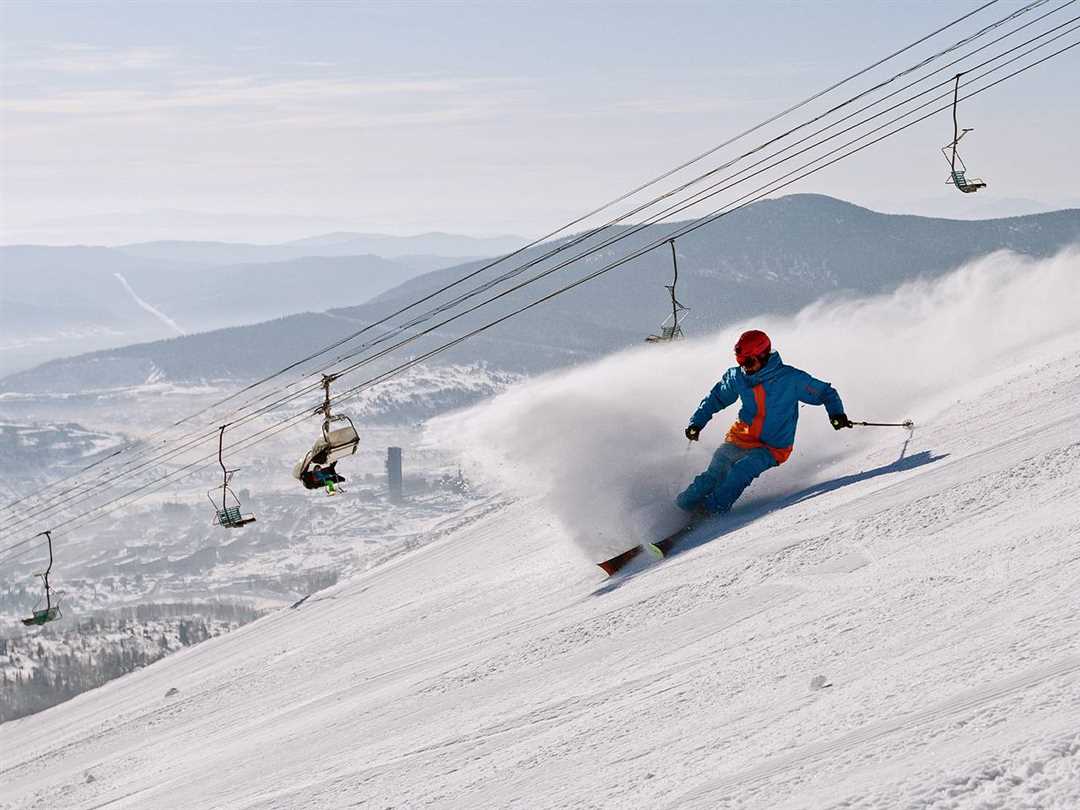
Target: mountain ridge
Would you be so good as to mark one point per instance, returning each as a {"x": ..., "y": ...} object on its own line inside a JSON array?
[
  {"x": 773, "y": 256},
  {"x": 349, "y": 244},
  {"x": 59, "y": 299}
]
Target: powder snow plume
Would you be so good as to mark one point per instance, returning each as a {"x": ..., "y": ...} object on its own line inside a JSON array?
[{"x": 602, "y": 443}]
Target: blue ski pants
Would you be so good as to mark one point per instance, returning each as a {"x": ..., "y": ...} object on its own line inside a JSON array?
[{"x": 730, "y": 472}]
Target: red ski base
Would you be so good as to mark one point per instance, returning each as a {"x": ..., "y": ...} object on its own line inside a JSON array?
[
  {"x": 613, "y": 565},
  {"x": 659, "y": 549}
]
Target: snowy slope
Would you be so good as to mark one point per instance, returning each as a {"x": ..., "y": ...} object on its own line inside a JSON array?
[{"x": 934, "y": 583}]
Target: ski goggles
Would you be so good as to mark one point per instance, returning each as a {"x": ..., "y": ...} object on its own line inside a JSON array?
[{"x": 752, "y": 364}]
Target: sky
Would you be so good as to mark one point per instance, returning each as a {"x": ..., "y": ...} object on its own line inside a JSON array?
[{"x": 271, "y": 121}]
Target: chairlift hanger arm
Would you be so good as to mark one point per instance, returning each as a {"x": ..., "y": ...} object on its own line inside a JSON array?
[
  {"x": 704, "y": 220},
  {"x": 224, "y": 471},
  {"x": 220, "y": 449},
  {"x": 955, "y": 122},
  {"x": 676, "y": 305},
  {"x": 48, "y": 536},
  {"x": 45, "y": 575},
  {"x": 675, "y": 281},
  {"x": 327, "y": 379},
  {"x": 920, "y": 40}
]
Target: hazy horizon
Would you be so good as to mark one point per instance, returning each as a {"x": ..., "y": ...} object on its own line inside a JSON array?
[
  {"x": 233, "y": 122},
  {"x": 158, "y": 230}
]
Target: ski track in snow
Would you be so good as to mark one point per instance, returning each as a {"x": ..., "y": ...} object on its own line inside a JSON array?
[
  {"x": 497, "y": 668},
  {"x": 157, "y": 313}
]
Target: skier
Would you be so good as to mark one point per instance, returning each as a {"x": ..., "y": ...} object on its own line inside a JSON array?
[{"x": 769, "y": 394}]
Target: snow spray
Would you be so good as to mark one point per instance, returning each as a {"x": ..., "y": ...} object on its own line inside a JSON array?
[{"x": 602, "y": 443}]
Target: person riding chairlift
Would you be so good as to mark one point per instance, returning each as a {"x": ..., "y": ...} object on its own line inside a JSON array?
[{"x": 318, "y": 477}]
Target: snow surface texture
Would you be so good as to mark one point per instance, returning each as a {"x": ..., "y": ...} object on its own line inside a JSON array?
[{"x": 934, "y": 584}]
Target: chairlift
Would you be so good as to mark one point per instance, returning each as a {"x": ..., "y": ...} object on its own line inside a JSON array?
[
  {"x": 338, "y": 440},
  {"x": 227, "y": 515},
  {"x": 957, "y": 170},
  {"x": 671, "y": 329},
  {"x": 51, "y": 612}
]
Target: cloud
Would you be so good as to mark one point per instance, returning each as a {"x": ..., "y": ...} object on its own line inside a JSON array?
[
  {"x": 158, "y": 85},
  {"x": 81, "y": 58},
  {"x": 676, "y": 105},
  {"x": 330, "y": 101}
]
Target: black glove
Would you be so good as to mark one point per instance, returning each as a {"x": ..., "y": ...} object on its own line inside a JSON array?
[
  {"x": 840, "y": 421},
  {"x": 692, "y": 432}
]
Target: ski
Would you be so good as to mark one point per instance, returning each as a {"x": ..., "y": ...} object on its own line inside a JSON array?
[
  {"x": 662, "y": 548},
  {"x": 616, "y": 563}
]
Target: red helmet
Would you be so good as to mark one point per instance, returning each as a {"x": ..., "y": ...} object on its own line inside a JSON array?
[{"x": 754, "y": 343}]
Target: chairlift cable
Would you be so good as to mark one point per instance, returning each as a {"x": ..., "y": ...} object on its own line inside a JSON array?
[
  {"x": 615, "y": 201},
  {"x": 346, "y": 339},
  {"x": 350, "y": 369},
  {"x": 1056, "y": 53},
  {"x": 286, "y": 399},
  {"x": 655, "y": 180},
  {"x": 587, "y": 234},
  {"x": 611, "y": 241},
  {"x": 675, "y": 208},
  {"x": 682, "y": 231}
]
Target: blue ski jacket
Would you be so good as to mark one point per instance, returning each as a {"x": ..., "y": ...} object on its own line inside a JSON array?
[{"x": 769, "y": 405}]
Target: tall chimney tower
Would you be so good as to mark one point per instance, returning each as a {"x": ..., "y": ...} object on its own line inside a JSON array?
[{"x": 393, "y": 473}]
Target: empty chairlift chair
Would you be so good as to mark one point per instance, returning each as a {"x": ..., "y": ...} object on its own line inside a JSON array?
[
  {"x": 51, "y": 611},
  {"x": 965, "y": 184},
  {"x": 671, "y": 329},
  {"x": 227, "y": 513},
  {"x": 957, "y": 170}
]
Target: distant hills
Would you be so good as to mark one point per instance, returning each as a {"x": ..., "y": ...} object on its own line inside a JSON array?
[
  {"x": 58, "y": 301},
  {"x": 773, "y": 256},
  {"x": 345, "y": 243}
]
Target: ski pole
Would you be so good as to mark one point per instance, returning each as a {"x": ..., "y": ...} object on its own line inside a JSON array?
[{"x": 908, "y": 424}]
